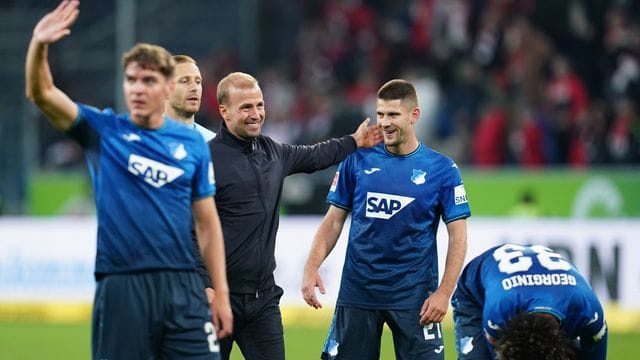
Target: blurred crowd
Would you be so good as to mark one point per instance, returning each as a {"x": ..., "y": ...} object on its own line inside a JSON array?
[
  {"x": 501, "y": 82},
  {"x": 526, "y": 83}
]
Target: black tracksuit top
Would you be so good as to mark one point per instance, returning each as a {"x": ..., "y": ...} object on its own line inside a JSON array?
[{"x": 249, "y": 177}]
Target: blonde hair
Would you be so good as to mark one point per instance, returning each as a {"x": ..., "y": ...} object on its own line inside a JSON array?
[
  {"x": 184, "y": 59},
  {"x": 238, "y": 80}
]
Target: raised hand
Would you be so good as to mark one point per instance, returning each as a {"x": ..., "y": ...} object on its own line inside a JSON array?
[
  {"x": 56, "y": 24},
  {"x": 367, "y": 136}
]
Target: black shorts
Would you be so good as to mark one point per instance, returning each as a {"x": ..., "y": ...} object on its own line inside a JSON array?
[
  {"x": 355, "y": 335},
  {"x": 467, "y": 319},
  {"x": 149, "y": 315}
]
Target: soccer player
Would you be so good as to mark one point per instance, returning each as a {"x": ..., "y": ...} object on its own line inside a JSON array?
[
  {"x": 396, "y": 192},
  {"x": 526, "y": 302},
  {"x": 249, "y": 183},
  {"x": 151, "y": 177},
  {"x": 184, "y": 101}
]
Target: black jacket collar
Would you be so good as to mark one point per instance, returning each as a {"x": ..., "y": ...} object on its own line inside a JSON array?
[{"x": 247, "y": 146}]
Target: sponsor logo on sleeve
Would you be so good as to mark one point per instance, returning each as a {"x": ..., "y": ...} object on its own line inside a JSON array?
[
  {"x": 460, "y": 196},
  {"x": 334, "y": 183},
  {"x": 212, "y": 177},
  {"x": 153, "y": 172}
]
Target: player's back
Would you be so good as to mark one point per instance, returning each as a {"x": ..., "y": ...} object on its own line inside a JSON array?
[{"x": 534, "y": 278}]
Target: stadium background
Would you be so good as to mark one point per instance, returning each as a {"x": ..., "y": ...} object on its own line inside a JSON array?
[{"x": 537, "y": 101}]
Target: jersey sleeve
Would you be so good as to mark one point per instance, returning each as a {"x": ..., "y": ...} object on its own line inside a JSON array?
[
  {"x": 204, "y": 183},
  {"x": 594, "y": 336},
  {"x": 342, "y": 186},
  {"x": 89, "y": 124},
  {"x": 453, "y": 197}
]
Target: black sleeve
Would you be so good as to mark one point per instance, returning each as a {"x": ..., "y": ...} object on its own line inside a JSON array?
[
  {"x": 201, "y": 268},
  {"x": 310, "y": 158}
]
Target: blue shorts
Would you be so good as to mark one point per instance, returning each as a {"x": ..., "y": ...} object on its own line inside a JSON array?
[
  {"x": 355, "y": 335},
  {"x": 150, "y": 315},
  {"x": 467, "y": 319}
]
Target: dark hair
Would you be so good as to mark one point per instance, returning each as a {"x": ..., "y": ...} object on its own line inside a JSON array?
[
  {"x": 150, "y": 56},
  {"x": 535, "y": 336},
  {"x": 399, "y": 89}
]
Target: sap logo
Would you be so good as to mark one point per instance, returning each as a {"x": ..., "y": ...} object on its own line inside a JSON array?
[
  {"x": 384, "y": 206},
  {"x": 459, "y": 195},
  {"x": 154, "y": 173}
]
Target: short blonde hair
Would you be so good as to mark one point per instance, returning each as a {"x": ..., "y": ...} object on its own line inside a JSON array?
[
  {"x": 237, "y": 80},
  {"x": 184, "y": 59}
]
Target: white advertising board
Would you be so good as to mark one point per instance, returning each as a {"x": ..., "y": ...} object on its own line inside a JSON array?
[{"x": 52, "y": 259}]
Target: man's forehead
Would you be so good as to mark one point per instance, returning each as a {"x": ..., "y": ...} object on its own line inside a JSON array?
[
  {"x": 187, "y": 69},
  {"x": 388, "y": 105},
  {"x": 135, "y": 68},
  {"x": 245, "y": 95}
]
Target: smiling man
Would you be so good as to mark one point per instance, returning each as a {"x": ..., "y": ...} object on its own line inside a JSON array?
[
  {"x": 249, "y": 182},
  {"x": 397, "y": 193}
]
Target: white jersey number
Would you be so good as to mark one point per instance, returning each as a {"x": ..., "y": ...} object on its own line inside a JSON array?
[{"x": 511, "y": 258}]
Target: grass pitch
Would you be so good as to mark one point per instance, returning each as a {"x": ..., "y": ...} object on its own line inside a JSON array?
[{"x": 27, "y": 341}]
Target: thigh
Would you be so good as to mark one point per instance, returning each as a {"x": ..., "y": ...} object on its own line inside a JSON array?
[
  {"x": 188, "y": 328},
  {"x": 125, "y": 323},
  {"x": 261, "y": 336},
  {"x": 412, "y": 340},
  {"x": 354, "y": 335},
  {"x": 467, "y": 320}
]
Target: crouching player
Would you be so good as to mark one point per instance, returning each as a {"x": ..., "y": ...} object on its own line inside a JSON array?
[{"x": 526, "y": 302}]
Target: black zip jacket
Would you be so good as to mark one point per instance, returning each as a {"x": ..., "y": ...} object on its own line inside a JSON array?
[{"x": 249, "y": 178}]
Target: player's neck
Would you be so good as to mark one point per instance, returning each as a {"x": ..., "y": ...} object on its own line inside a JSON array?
[
  {"x": 152, "y": 121},
  {"x": 404, "y": 148},
  {"x": 181, "y": 116}
]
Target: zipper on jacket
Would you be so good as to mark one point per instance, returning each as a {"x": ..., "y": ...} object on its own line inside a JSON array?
[{"x": 264, "y": 209}]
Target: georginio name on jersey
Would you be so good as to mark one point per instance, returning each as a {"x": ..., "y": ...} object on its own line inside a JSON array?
[{"x": 153, "y": 172}]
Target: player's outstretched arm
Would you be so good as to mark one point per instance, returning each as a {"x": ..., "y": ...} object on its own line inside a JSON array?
[
  {"x": 324, "y": 241},
  {"x": 435, "y": 307},
  {"x": 56, "y": 105},
  {"x": 367, "y": 136},
  {"x": 211, "y": 243}
]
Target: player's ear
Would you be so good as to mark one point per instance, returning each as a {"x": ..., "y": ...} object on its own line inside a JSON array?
[
  {"x": 223, "y": 111},
  {"x": 415, "y": 115},
  {"x": 171, "y": 84}
]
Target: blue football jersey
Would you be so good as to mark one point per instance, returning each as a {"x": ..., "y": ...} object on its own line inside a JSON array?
[
  {"x": 511, "y": 279},
  {"x": 396, "y": 203},
  {"x": 144, "y": 184}
]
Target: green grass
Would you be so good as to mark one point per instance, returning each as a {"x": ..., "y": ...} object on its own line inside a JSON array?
[{"x": 42, "y": 341}]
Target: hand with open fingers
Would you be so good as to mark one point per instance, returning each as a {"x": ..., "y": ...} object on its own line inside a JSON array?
[
  {"x": 56, "y": 24},
  {"x": 367, "y": 136},
  {"x": 309, "y": 283},
  {"x": 434, "y": 308},
  {"x": 222, "y": 315}
]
